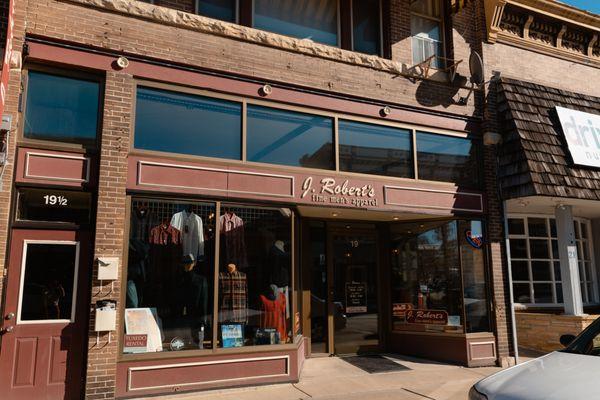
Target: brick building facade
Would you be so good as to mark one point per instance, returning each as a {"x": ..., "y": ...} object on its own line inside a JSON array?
[{"x": 439, "y": 205}]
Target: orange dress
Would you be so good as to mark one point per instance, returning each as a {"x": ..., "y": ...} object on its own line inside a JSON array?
[{"x": 273, "y": 315}]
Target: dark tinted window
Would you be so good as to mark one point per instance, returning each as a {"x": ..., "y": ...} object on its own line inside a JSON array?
[
  {"x": 289, "y": 138},
  {"x": 447, "y": 159},
  {"x": 375, "y": 149},
  {"x": 187, "y": 124},
  {"x": 366, "y": 26},
  {"x": 48, "y": 283},
  {"x": 61, "y": 109},
  {"x": 218, "y": 9},
  {"x": 305, "y": 19},
  {"x": 50, "y": 205}
]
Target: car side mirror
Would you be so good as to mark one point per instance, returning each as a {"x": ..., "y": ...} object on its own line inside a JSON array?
[{"x": 566, "y": 340}]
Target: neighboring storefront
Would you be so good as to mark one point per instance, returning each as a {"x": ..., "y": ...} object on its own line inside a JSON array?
[
  {"x": 551, "y": 186},
  {"x": 289, "y": 227}
]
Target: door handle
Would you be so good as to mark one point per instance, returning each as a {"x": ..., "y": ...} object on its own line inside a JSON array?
[
  {"x": 8, "y": 329},
  {"x": 10, "y": 315}
]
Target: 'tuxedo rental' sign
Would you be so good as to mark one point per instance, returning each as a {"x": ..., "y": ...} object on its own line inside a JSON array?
[{"x": 582, "y": 133}]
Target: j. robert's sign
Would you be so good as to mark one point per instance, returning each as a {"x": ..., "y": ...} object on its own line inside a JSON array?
[
  {"x": 332, "y": 191},
  {"x": 582, "y": 133}
]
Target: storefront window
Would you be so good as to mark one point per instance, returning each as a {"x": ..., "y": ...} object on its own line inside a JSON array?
[
  {"x": 187, "y": 124},
  {"x": 472, "y": 257},
  {"x": 316, "y": 20},
  {"x": 61, "y": 109},
  {"x": 224, "y": 10},
  {"x": 375, "y": 149},
  {"x": 255, "y": 276},
  {"x": 535, "y": 260},
  {"x": 426, "y": 277},
  {"x": 170, "y": 275},
  {"x": 366, "y": 26},
  {"x": 289, "y": 138},
  {"x": 448, "y": 159}
]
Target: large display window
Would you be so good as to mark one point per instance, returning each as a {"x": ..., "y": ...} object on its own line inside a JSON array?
[
  {"x": 207, "y": 275},
  {"x": 438, "y": 277}
]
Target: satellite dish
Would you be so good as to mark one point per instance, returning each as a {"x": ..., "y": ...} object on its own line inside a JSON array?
[{"x": 476, "y": 68}]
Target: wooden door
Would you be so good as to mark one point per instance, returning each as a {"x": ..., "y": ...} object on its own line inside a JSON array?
[{"x": 45, "y": 317}]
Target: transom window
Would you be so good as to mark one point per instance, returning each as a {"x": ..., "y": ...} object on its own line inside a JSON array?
[
  {"x": 535, "y": 260},
  {"x": 61, "y": 108},
  {"x": 198, "y": 125}
]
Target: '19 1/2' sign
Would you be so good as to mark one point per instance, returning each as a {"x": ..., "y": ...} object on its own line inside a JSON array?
[{"x": 55, "y": 200}]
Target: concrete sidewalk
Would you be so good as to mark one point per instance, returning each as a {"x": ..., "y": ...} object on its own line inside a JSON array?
[{"x": 332, "y": 378}]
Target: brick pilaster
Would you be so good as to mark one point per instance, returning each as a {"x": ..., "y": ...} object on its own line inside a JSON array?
[{"x": 110, "y": 224}]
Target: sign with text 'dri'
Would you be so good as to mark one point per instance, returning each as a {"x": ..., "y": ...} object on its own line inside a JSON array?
[{"x": 582, "y": 133}]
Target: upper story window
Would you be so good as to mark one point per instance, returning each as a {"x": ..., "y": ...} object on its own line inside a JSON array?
[
  {"x": 224, "y": 10},
  {"x": 61, "y": 108},
  {"x": 366, "y": 26},
  {"x": 187, "y": 124},
  {"x": 426, "y": 31},
  {"x": 316, "y": 20}
]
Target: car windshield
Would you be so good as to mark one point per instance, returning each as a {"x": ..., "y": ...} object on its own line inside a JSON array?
[{"x": 588, "y": 342}]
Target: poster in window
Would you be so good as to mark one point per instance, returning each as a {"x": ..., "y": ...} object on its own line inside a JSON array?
[
  {"x": 356, "y": 298},
  {"x": 142, "y": 321},
  {"x": 233, "y": 335}
]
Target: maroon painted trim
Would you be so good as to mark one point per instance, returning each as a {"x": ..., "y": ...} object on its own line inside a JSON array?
[
  {"x": 44, "y": 53},
  {"x": 51, "y": 167},
  {"x": 244, "y": 181},
  {"x": 140, "y": 378}
]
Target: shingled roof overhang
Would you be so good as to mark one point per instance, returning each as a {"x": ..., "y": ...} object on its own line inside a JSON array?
[{"x": 534, "y": 159}]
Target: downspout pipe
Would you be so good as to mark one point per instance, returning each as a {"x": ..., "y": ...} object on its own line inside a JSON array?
[{"x": 510, "y": 285}]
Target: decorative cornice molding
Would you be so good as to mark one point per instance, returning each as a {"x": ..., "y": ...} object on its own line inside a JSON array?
[{"x": 545, "y": 26}]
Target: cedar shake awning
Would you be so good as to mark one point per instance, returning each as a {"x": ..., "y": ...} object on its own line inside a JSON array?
[{"x": 534, "y": 158}]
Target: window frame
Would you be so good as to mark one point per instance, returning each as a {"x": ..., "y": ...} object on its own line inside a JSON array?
[
  {"x": 215, "y": 349},
  {"x": 548, "y": 217},
  {"x": 336, "y": 116},
  {"x": 442, "y": 24},
  {"x": 338, "y": 30},
  {"x": 381, "y": 36},
  {"x": 65, "y": 73},
  {"x": 486, "y": 265},
  {"x": 237, "y": 11}
]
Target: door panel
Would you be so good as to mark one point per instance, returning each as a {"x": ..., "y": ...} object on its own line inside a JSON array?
[
  {"x": 355, "y": 292},
  {"x": 44, "y": 324}
]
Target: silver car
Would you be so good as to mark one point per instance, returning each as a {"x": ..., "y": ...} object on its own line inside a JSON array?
[{"x": 569, "y": 374}]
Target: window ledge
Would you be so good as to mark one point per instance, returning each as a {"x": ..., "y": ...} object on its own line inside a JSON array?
[{"x": 211, "y": 26}]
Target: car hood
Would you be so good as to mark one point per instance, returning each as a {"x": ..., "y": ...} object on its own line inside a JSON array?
[{"x": 555, "y": 376}]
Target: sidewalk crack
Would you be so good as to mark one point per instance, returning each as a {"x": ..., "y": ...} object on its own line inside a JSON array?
[
  {"x": 418, "y": 394},
  {"x": 300, "y": 390}
]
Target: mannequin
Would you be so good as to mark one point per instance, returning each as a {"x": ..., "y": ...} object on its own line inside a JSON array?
[
  {"x": 280, "y": 271},
  {"x": 273, "y": 311},
  {"x": 233, "y": 292}
]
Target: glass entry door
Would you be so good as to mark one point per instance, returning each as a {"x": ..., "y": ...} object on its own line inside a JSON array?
[{"x": 354, "y": 291}]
